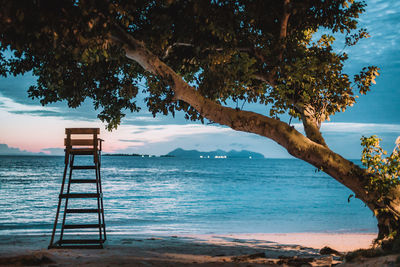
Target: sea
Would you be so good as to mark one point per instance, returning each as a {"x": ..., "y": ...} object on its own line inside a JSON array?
[{"x": 159, "y": 195}]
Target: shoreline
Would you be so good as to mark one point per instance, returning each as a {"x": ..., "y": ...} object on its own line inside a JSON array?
[{"x": 187, "y": 250}]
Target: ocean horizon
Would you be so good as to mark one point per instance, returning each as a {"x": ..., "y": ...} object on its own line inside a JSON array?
[{"x": 167, "y": 195}]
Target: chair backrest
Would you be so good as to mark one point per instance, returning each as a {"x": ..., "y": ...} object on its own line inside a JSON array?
[{"x": 84, "y": 141}]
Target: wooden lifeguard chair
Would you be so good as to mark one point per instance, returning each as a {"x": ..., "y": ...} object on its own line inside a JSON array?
[{"x": 77, "y": 147}]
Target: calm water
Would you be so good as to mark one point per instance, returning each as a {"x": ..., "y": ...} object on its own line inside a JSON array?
[{"x": 177, "y": 196}]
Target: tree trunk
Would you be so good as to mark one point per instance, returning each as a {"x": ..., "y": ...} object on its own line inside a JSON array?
[
  {"x": 388, "y": 216},
  {"x": 315, "y": 152}
]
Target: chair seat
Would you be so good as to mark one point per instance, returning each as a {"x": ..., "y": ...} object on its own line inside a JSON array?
[{"x": 81, "y": 151}]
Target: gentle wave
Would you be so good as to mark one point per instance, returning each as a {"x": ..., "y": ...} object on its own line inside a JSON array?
[{"x": 150, "y": 195}]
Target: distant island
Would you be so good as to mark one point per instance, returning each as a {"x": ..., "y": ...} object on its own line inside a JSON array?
[{"x": 181, "y": 153}]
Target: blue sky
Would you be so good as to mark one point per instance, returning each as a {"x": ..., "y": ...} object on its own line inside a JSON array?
[{"x": 29, "y": 127}]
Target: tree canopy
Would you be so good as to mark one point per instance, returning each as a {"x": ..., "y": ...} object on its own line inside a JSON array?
[{"x": 256, "y": 51}]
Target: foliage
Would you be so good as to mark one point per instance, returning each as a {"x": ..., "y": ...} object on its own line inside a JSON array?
[
  {"x": 229, "y": 50},
  {"x": 385, "y": 171}
]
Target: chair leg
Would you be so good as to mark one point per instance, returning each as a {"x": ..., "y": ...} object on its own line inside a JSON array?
[
  {"x": 59, "y": 202},
  {"x": 98, "y": 199},
  {"x": 101, "y": 200},
  {"x": 66, "y": 199}
]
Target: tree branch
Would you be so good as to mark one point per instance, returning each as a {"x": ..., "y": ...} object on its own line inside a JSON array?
[
  {"x": 264, "y": 78},
  {"x": 169, "y": 48},
  {"x": 281, "y": 42},
  {"x": 283, "y": 29},
  {"x": 344, "y": 171},
  {"x": 311, "y": 124},
  {"x": 253, "y": 51}
]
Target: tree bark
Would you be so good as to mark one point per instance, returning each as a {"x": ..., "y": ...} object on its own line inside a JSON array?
[
  {"x": 283, "y": 29},
  {"x": 311, "y": 124},
  {"x": 388, "y": 218},
  {"x": 315, "y": 152}
]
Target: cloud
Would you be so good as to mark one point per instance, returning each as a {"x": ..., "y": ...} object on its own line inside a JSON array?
[
  {"x": 238, "y": 145},
  {"x": 382, "y": 22},
  {"x": 365, "y": 128},
  {"x": 17, "y": 87},
  {"x": 44, "y": 113},
  {"x": 9, "y": 105},
  {"x": 6, "y": 150},
  {"x": 84, "y": 113},
  {"x": 145, "y": 117},
  {"x": 160, "y": 139},
  {"x": 141, "y": 135},
  {"x": 353, "y": 127},
  {"x": 54, "y": 151}
]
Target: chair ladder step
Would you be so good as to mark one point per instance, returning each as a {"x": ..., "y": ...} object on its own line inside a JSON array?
[
  {"x": 82, "y": 226},
  {"x": 83, "y": 181},
  {"x": 81, "y": 195},
  {"x": 83, "y": 167},
  {"x": 83, "y": 210},
  {"x": 77, "y": 246},
  {"x": 79, "y": 241}
]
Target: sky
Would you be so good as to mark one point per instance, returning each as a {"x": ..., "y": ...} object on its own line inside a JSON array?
[{"x": 27, "y": 127}]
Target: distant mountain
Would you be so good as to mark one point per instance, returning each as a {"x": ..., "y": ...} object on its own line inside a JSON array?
[
  {"x": 5, "y": 150},
  {"x": 181, "y": 153}
]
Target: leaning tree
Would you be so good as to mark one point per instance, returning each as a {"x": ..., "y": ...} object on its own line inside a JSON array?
[{"x": 199, "y": 56}]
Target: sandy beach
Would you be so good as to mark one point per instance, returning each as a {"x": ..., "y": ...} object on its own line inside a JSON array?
[{"x": 294, "y": 249}]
